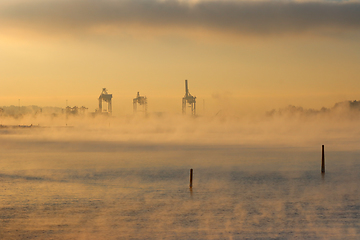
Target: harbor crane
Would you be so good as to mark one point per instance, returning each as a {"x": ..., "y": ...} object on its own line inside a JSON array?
[
  {"x": 105, "y": 97},
  {"x": 188, "y": 100},
  {"x": 142, "y": 101}
]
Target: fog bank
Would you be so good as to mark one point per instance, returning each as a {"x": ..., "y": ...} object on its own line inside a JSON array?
[{"x": 288, "y": 127}]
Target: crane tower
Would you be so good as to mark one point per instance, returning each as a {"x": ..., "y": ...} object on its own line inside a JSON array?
[
  {"x": 105, "y": 97},
  {"x": 142, "y": 101},
  {"x": 188, "y": 100}
]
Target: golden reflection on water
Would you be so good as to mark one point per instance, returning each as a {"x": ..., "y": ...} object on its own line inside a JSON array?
[{"x": 144, "y": 194}]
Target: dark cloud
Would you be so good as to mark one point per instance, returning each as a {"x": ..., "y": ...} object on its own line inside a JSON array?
[{"x": 242, "y": 17}]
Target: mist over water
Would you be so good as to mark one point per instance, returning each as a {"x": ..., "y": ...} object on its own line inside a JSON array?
[
  {"x": 292, "y": 127},
  {"x": 128, "y": 177}
]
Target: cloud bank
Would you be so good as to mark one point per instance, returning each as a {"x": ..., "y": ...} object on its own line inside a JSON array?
[{"x": 231, "y": 17}]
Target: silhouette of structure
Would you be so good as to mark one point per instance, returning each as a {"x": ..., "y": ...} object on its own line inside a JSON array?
[
  {"x": 75, "y": 110},
  {"x": 71, "y": 110},
  {"x": 142, "y": 101},
  {"x": 105, "y": 97},
  {"x": 189, "y": 100}
]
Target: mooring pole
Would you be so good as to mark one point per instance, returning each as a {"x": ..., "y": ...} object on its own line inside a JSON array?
[
  {"x": 323, "y": 160},
  {"x": 191, "y": 177}
]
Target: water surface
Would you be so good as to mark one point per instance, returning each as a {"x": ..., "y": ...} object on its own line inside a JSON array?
[{"x": 119, "y": 190}]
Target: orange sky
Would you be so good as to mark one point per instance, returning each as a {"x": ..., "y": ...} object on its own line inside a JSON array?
[{"x": 237, "y": 55}]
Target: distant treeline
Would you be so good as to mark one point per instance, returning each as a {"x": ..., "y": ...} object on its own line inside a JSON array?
[
  {"x": 19, "y": 111},
  {"x": 348, "y": 108}
]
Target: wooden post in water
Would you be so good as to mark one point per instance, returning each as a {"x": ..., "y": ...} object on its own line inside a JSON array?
[
  {"x": 191, "y": 177},
  {"x": 323, "y": 160}
]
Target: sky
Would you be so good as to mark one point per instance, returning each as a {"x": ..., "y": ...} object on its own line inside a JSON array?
[{"x": 238, "y": 56}]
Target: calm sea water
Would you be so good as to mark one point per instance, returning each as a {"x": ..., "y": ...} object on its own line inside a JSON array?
[{"x": 114, "y": 190}]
